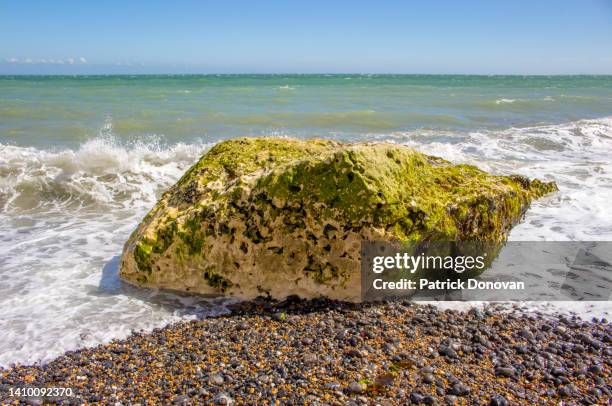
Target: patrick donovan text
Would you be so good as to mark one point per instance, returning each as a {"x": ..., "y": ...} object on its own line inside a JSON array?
[{"x": 449, "y": 284}]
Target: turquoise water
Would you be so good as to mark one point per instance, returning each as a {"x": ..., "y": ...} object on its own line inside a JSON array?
[
  {"x": 48, "y": 111},
  {"x": 82, "y": 159}
]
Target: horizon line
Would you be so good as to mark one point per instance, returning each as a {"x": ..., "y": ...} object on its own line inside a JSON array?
[{"x": 302, "y": 74}]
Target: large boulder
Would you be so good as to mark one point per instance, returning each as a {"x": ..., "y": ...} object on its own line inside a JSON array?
[{"x": 276, "y": 216}]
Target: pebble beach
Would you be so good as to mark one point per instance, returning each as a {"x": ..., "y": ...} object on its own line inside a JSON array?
[{"x": 321, "y": 352}]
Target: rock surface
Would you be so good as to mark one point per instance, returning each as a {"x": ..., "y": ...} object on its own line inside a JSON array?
[{"x": 276, "y": 216}]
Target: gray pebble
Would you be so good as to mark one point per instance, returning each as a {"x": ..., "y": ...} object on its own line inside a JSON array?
[
  {"x": 356, "y": 387},
  {"x": 223, "y": 399},
  {"x": 505, "y": 371},
  {"x": 460, "y": 389},
  {"x": 216, "y": 379}
]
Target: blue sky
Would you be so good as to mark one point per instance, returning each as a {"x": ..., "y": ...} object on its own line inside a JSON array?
[{"x": 506, "y": 37}]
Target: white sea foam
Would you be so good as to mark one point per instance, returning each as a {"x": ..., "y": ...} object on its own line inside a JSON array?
[
  {"x": 578, "y": 156},
  {"x": 504, "y": 101},
  {"x": 65, "y": 214}
]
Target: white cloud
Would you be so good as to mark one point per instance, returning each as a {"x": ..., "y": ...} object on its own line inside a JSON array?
[{"x": 46, "y": 61}]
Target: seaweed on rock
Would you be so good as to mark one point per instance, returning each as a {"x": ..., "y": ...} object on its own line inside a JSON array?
[{"x": 287, "y": 216}]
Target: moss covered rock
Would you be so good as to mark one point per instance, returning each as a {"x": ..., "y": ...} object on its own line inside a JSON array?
[{"x": 275, "y": 216}]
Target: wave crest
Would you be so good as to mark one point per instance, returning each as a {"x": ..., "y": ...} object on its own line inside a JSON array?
[{"x": 101, "y": 171}]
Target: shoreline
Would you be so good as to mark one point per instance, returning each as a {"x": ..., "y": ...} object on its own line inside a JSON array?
[{"x": 321, "y": 351}]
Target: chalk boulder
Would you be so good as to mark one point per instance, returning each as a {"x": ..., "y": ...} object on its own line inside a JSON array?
[{"x": 277, "y": 217}]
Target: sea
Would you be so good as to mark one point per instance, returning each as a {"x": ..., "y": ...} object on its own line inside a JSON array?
[{"x": 83, "y": 158}]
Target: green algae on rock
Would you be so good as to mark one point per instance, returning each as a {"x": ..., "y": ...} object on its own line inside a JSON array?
[{"x": 277, "y": 216}]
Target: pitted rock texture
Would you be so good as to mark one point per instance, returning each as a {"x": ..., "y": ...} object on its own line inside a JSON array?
[{"x": 280, "y": 217}]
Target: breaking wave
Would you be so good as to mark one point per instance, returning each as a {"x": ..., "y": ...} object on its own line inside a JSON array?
[
  {"x": 64, "y": 216},
  {"x": 101, "y": 173}
]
